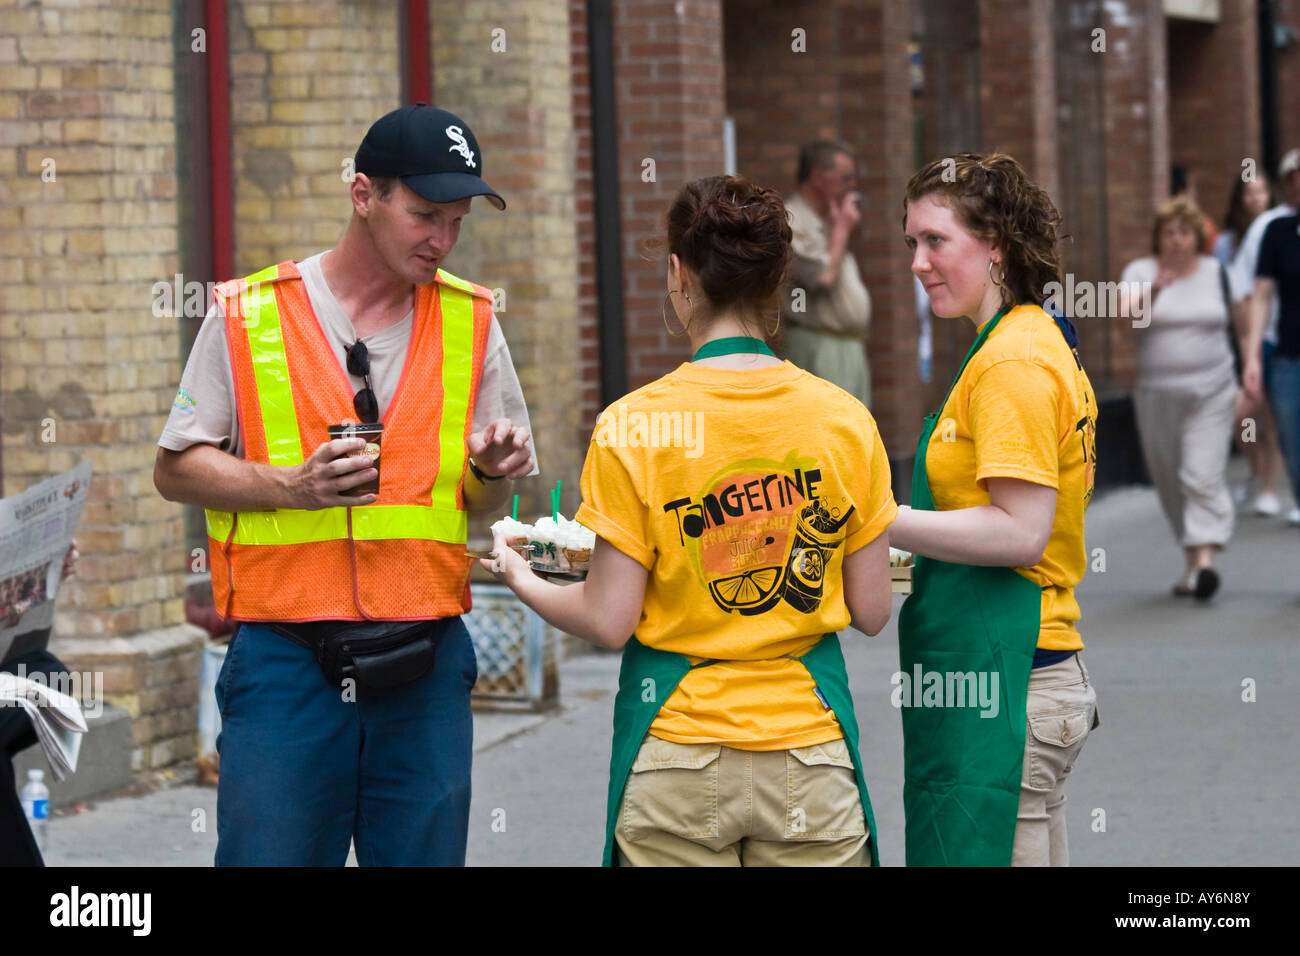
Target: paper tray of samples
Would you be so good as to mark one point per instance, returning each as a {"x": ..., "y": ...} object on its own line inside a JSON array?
[{"x": 900, "y": 571}]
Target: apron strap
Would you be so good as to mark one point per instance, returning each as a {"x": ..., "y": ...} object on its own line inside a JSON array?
[{"x": 732, "y": 345}]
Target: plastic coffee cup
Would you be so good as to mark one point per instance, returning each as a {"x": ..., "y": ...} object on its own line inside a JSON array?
[{"x": 373, "y": 433}]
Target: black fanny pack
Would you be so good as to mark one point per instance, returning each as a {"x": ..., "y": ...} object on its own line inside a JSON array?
[{"x": 369, "y": 653}]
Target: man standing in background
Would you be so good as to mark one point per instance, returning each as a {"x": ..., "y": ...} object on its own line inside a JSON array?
[{"x": 827, "y": 306}]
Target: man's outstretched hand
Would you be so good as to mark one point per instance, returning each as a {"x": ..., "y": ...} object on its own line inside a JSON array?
[{"x": 502, "y": 449}]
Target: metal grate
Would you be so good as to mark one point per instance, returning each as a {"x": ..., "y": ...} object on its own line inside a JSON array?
[{"x": 516, "y": 651}]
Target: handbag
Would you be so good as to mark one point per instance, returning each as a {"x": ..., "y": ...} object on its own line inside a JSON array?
[{"x": 368, "y": 653}]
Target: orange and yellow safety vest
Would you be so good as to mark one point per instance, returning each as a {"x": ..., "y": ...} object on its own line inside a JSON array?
[{"x": 402, "y": 558}]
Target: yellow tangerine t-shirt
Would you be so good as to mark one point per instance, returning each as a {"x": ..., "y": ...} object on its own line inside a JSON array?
[
  {"x": 741, "y": 492},
  {"x": 1024, "y": 408}
]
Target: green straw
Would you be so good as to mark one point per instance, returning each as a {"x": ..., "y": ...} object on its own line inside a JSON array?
[{"x": 514, "y": 509}]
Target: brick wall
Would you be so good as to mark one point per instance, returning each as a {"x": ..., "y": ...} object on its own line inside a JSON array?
[
  {"x": 875, "y": 107},
  {"x": 951, "y": 117},
  {"x": 307, "y": 80},
  {"x": 89, "y": 88},
  {"x": 584, "y": 221},
  {"x": 778, "y": 98},
  {"x": 1213, "y": 102},
  {"x": 1017, "y": 66},
  {"x": 1288, "y": 78},
  {"x": 519, "y": 101},
  {"x": 850, "y": 82},
  {"x": 670, "y": 96},
  {"x": 1136, "y": 118}
]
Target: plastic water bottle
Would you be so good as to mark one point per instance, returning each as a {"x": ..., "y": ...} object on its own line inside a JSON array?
[{"x": 36, "y": 804}]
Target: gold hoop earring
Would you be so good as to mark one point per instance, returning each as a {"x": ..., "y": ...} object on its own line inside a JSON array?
[
  {"x": 1000, "y": 281},
  {"x": 775, "y": 328},
  {"x": 663, "y": 312}
]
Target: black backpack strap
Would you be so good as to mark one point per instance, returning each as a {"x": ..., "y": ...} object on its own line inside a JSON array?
[{"x": 1233, "y": 344}]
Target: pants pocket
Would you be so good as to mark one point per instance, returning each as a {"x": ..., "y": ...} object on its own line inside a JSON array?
[
  {"x": 1056, "y": 742},
  {"x": 822, "y": 798},
  {"x": 226, "y": 674},
  {"x": 672, "y": 788}
]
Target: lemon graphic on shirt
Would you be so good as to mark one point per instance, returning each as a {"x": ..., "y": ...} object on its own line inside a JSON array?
[{"x": 752, "y": 592}]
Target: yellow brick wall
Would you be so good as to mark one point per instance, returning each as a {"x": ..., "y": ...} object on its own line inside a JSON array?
[
  {"x": 307, "y": 80},
  {"x": 90, "y": 89},
  {"x": 518, "y": 101}
]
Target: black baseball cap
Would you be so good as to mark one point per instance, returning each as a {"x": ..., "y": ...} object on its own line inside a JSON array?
[{"x": 430, "y": 150}]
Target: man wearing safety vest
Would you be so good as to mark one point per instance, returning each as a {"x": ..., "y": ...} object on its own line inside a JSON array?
[{"x": 345, "y": 693}]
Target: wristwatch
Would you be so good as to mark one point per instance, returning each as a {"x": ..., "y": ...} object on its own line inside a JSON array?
[{"x": 480, "y": 474}]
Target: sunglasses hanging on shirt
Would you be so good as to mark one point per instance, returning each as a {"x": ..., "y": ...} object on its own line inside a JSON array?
[{"x": 363, "y": 402}]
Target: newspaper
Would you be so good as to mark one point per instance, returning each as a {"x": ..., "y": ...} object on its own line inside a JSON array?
[
  {"x": 57, "y": 717},
  {"x": 35, "y": 529}
]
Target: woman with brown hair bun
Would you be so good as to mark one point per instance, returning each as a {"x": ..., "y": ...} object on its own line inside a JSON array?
[
  {"x": 734, "y": 537},
  {"x": 1004, "y": 471}
]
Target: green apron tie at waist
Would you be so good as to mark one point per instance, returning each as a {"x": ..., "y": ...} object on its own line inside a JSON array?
[{"x": 648, "y": 678}]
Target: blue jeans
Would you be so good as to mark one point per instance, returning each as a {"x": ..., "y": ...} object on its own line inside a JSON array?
[
  {"x": 1282, "y": 381},
  {"x": 304, "y": 772}
]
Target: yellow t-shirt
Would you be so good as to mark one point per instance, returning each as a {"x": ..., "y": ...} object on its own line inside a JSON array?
[
  {"x": 741, "y": 492},
  {"x": 1024, "y": 408}
]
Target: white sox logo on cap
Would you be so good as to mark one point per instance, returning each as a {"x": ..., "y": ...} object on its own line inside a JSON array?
[{"x": 459, "y": 145}]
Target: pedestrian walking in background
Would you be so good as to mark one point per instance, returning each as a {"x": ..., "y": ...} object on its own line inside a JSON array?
[
  {"x": 1249, "y": 199},
  {"x": 826, "y": 307},
  {"x": 1186, "y": 389},
  {"x": 1004, "y": 471},
  {"x": 1275, "y": 368},
  {"x": 735, "y": 740},
  {"x": 1269, "y": 367}
]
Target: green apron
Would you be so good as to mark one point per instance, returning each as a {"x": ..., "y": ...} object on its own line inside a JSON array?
[
  {"x": 648, "y": 678},
  {"x": 961, "y": 770}
]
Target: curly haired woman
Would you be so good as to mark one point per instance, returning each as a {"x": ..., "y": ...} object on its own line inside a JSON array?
[{"x": 1004, "y": 471}]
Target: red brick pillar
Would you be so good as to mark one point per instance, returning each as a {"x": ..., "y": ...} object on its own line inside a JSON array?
[
  {"x": 782, "y": 90},
  {"x": 1136, "y": 120},
  {"x": 840, "y": 71},
  {"x": 584, "y": 221},
  {"x": 669, "y": 75},
  {"x": 1018, "y": 85},
  {"x": 1214, "y": 100},
  {"x": 1288, "y": 78},
  {"x": 875, "y": 109}
]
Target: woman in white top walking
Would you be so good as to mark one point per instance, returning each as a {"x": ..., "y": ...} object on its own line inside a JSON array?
[{"x": 1186, "y": 387}]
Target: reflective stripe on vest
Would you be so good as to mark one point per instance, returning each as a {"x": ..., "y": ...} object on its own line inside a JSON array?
[
  {"x": 457, "y": 368},
  {"x": 442, "y": 520},
  {"x": 270, "y": 368}
]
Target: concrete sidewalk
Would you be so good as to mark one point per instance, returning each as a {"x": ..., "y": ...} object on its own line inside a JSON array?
[
  {"x": 176, "y": 825},
  {"x": 1182, "y": 771}
]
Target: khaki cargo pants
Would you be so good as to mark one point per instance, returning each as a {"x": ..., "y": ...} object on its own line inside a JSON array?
[{"x": 710, "y": 805}]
